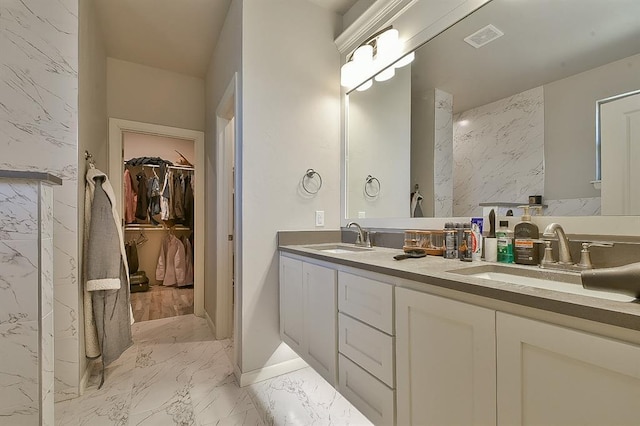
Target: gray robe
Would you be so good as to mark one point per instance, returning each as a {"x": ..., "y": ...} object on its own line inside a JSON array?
[{"x": 107, "y": 278}]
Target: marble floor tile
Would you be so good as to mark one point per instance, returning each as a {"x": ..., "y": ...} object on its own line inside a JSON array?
[
  {"x": 177, "y": 374},
  {"x": 248, "y": 418},
  {"x": 303, "y": 397}
]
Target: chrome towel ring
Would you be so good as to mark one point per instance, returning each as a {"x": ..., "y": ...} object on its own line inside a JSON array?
[
  {"x": 369, "y": 181},
  {"x": 308, "y": 177}
]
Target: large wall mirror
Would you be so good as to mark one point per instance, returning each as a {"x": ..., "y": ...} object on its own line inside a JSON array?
[{"x": 467, "y": 125}]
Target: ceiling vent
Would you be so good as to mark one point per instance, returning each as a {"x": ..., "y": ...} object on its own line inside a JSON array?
[{"x": 483, "y": 36}]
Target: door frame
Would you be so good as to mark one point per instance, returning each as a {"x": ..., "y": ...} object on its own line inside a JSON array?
[
  {"x": 117, "y": 127},
  {"x": 225, "y": 112}
]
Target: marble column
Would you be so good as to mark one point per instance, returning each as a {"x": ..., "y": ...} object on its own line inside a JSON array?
[{"x": 26, "y": 298}]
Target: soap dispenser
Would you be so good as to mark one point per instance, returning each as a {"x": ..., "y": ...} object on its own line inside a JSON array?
[{"x": 525, "y": 232}]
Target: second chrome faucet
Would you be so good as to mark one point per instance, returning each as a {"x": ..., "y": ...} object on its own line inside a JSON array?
[{"x": 362, "y": 239}]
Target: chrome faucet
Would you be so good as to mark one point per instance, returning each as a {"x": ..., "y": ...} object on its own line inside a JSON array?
[
  {"x": 564, "y": 255},
  {"x": 363, "y": 236}
]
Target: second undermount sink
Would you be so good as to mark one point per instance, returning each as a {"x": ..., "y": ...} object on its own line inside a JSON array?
[
  {"x": 564, "y": 282},
  {"x": 339, "y": 248}
]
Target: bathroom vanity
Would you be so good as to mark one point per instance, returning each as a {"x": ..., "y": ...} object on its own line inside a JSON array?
[{"x": 430, "y": 341}]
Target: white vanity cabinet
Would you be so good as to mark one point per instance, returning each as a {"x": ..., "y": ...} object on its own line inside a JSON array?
[
  {"x": 367, "y": 345},
  {"x": 548, "y": 374},
  {"x": 446, "y": 361},
  {"x": 308, "y": 320}
]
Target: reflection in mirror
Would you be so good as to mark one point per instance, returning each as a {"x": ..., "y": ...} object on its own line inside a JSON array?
[
  {"x": 619, "y": 137},
  {"x": 497, "y": 123}
]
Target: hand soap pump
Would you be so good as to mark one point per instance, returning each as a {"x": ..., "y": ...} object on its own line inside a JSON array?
[{"x": 525, "y": 232}]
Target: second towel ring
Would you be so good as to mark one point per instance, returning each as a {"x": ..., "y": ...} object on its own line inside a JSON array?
[
  {"x": 369, "y": 181},
  {"x": 309, "y": 174}
]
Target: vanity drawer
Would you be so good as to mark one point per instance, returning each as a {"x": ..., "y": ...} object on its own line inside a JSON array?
[
  {"x": 366, "y": 393},
  {"x": 371, "y": 349},
  {"x": 368, "y": 300}
]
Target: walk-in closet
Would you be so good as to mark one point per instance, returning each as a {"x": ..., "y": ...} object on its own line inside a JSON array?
[{"x": 159, "y": 226}]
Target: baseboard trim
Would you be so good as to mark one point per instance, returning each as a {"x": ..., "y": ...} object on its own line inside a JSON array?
[
  {"x": 212, "y": 326},
  {"x": 265, "y": 373}
]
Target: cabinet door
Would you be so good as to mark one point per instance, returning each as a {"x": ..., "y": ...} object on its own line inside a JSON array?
[
  {"x": 291, "y": 304},
  {"x": 445, "y": 361},
  {"x": 320, "y": 320},
  {"x": 549, "y": 374}
]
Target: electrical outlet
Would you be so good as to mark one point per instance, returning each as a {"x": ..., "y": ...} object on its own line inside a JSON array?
[
  {"x": 361, "y": 215},
  {"x": 319, "y": 217}
]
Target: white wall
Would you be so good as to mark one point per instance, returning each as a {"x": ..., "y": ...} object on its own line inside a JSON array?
[
  {"x": 291, "y": 122},
  {"x": 142, "y": 145},
  {"x": 573, "y": 100},
  {"x": 379, "y": 145},
  {"x": 225, "y": 61},
  {"x": 38, "y": 124},
  {"x": 151, "y": 95}
]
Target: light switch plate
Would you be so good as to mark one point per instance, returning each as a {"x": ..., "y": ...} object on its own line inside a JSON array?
[{"x": 319, "y": 217}]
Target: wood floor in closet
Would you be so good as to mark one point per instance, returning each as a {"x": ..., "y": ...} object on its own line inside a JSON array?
[{"x": 162, "y": 302}]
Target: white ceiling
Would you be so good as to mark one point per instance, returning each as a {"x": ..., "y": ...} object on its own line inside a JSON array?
[
  {"x": 544, "y": 41},
  {"x": 173, "y": 35}
]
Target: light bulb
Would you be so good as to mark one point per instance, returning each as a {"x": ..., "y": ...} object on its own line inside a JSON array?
[
  {"x": 387, "y": 45},
  {"x": 364, "y": 86},
  {"x": 348, "y": 74},
  {"x": 363, "y": 60},
  {"x": 386, "y": 74},
  {"x": 406, "y": 60}
]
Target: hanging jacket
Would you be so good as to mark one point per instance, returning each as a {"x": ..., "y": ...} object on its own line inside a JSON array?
[
  {"x": 143, "y": 200},
  {"x": 188, "y": 203},
  {"x": 165, "y": 198},
  {"x": 188, "y": 276},
  {"x": 171, "y": 266},
  {"x": 178, "y": 198},
  {"x": 108, "y": 315},
  {"x": 130, "y": 197},
  {"x": 154, "y": 195}
]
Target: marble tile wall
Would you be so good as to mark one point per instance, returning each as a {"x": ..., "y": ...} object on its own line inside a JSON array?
[
  {"x": 589, "y": 206},
  {"x": 499, "y": 152},
  {"x": 26, "y": 302},
  {"x": 443, "y": 155},
  {"x": 38, "y": 128}
]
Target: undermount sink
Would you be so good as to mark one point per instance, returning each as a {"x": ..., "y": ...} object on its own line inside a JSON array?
[
  {"x": 564, "y": 282},
  {"x": 339, "y": 248}
]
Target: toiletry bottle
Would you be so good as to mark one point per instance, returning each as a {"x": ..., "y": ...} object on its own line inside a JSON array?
[
  {"x": 450, "y": 238},
  {"x": 476, "y": 240},
  {"x": 466, "y": 247},
  {"x": 505, "y": 243},
  {"x": 459, "y": 238},
  {"x": 525, "y": 250}
]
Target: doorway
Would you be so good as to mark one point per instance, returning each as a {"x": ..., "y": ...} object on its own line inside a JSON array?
[
  {"x": 227, "y": 283},
  {"x": 121, "y": 130}
]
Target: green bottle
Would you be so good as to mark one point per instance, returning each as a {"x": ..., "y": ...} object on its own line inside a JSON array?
[{"x": 505, "y": 242}]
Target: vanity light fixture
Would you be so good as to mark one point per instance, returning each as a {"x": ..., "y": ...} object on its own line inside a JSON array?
[{"x": 380, "y": 48}]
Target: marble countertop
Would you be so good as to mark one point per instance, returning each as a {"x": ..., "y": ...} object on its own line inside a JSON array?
[{"x": 440, "y": 272}]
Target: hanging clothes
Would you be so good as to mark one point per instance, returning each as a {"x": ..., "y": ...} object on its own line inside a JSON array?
[
  {"x": 416, "y": 204},
  {"x": 153, "y": 185},
  {"x": 188, "y": 275},
  {"x": 171, "y": 268},
  {"x": 188, "y": 202},
  {"x": 143, "y": 200},
  {"x": 130, "y": 197},
  {"x": 178, "y": 198},
  {"x": 165, "y": 198},
  {"x": 108, "y": 314}
]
